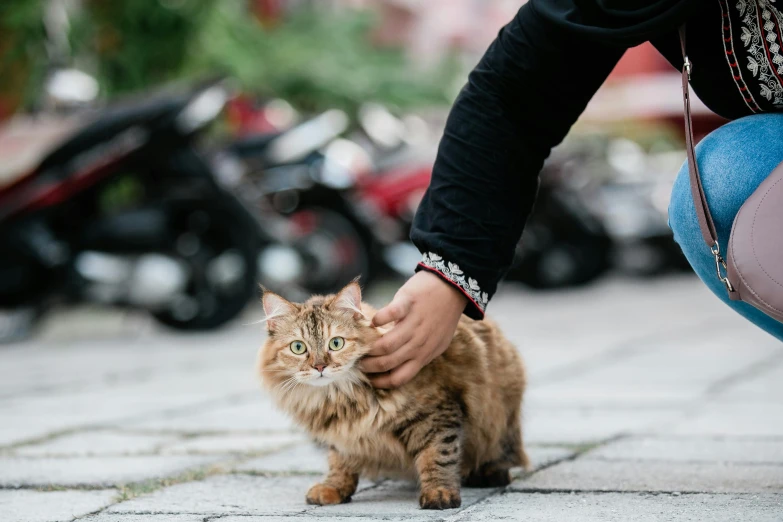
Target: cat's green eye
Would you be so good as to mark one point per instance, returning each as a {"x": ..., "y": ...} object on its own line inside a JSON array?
[
  {"x": 336, "y": 344},
  {"x": 298, "y": 347}
]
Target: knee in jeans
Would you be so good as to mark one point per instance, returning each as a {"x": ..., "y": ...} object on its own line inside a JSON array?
[{"x": 731, "y": 167}]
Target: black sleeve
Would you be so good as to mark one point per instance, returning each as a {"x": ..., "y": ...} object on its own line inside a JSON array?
[{"x": 520, "y": 101}]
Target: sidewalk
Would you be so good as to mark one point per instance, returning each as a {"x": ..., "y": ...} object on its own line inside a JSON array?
[{"x": 648, "y": 401}]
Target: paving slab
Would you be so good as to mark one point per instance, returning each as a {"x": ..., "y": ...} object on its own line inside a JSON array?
[
  {"x": 394, "y": 499},
  {"x": 305, "y": 458},
  {"x": 692, "y": 449},
  {"x": 51, "y": 506},
  {"x": 90, "y": 443},
  {"x": 93, "y": 471},
  {"x": 255, "y": 414},
  {"x": 585, "y": 425},
  {"x": 308, "y": 458},
  {"x": 597, "y": 475},
  {"x": 122, "y": 517},
  {"x": 766, "y": 385},
  {"x": 541, "y": 456},
  {"x": 260, "y": 443},
  {"x": 227, "y": 494},
  {"x": 310, "y": 517},
  {"x": 748, "y": 419},
  {"x": 617, "y": 507}
]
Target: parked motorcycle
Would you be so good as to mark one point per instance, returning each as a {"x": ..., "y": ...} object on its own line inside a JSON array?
[
  {"x": 122, "y": 209},
  {"x": 298, "y": 183}
]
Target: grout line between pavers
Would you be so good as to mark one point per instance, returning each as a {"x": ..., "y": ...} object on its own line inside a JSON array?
[
  {"x": 708, "y": 437},
  {"x": 498, "y": 492},
  {"x": 750, "y": 463},
  {"x": 577, "y": 452},
  {"x": 149, "y": 486},
  {"x": 503, "y": 491},
  {"x": 748, "y": 372},
  {"x": 116, "y": 425},
  {"x": 159, "y": 451},
  {"x": 57, "y": 487},
  {"x": 676, "y": 493}
]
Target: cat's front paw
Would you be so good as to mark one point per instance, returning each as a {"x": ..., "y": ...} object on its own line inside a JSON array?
[
  {"x": 325, "y": 495},
  {"x": 440, "y": 498}
]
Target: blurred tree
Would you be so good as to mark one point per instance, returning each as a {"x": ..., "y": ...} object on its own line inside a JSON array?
[
  {"x": 22, "y": 51},
  {"x": 316, "y": 58},
  {"x": 138, "y": 43}
]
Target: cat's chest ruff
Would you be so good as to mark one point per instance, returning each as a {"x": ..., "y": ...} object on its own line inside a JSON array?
[
  {"x": 363, "y": 433},
  {"x": 368, "y": 415}
]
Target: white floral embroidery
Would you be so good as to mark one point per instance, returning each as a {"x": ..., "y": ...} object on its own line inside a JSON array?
[
  {"x": 454, "y": 274},
  {"x": 757, "y": 44}
]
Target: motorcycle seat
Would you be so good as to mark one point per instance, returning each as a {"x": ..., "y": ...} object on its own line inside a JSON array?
[
  {"x": 114, "y": 119},
  {"x": 26, "y": 140}
]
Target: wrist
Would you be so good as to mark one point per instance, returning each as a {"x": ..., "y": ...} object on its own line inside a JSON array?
[{"x": 449, "y": 292}]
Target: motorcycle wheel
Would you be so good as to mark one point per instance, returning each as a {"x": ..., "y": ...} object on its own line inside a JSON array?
[
  {"x": 565, "y": 264},
  {"x": 221, "y": 261},
  {"x": 333, "y": 250}
]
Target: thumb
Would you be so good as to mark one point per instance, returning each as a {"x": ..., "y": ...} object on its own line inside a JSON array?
[{"x": 394, "y": 311}]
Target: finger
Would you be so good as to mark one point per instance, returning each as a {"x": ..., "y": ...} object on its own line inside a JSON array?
[
  {"x": 393, "y": 340},
  {"x": 399, "y": 376},
  {"x": 394, "y": 311},
  {"x": 389, "y": 362}
]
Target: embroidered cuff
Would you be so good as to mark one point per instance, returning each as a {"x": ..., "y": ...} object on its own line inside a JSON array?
[{"x": 452, "y": 273}]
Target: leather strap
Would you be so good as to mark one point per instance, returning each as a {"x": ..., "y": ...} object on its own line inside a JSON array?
[{"x": 699, "y": 199}]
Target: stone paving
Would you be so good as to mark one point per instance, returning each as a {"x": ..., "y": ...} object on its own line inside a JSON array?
[{"x": 648, "y": 401}]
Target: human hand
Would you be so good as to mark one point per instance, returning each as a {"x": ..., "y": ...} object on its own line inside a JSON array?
[{"x": 426, "y": 310}]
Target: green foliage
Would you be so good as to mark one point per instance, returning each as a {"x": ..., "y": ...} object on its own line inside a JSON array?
[
  {"x": 22, "y": 30},
  {"x": 22, "y": 47},
  {"x": 138, "y": 43},
  {"x": 315, "y": 59}
]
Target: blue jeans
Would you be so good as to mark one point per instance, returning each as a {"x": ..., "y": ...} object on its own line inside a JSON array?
[{"x": 733, "y": 161}]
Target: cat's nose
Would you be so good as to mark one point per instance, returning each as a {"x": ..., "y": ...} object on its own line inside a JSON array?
[{"x": 319, "y": 367}]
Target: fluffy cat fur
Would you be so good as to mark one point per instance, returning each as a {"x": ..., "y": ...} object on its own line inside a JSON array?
[{"x": 457, "y": 421}]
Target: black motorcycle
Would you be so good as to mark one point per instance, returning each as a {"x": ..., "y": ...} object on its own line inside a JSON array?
[
  {"x": 123, "y": 210},
  {"x": 295, "y": 185}
]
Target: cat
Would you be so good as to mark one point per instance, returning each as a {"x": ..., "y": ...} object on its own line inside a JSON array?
[{"x": 457, "y": 421}]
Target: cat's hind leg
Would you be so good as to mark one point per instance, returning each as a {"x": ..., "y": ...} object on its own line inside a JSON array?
[
  {"x": 489, "y": 475},
  {"x": 339, "y": 484},
  {"x": 496, "y": 473}
]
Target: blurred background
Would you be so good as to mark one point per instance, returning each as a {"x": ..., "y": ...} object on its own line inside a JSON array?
[{"x": 164, "y": 157}]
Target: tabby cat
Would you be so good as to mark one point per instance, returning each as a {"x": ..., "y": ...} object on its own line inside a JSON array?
[{"x": 457, "y": 421}]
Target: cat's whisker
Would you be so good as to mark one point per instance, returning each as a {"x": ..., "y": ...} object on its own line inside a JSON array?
[{"x": 283, "y": 386}]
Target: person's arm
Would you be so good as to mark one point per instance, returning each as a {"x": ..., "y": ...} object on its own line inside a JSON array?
[{"x": 520, "y": 101}]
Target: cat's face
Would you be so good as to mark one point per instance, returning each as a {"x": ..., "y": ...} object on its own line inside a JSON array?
[{"x": 317, "y": 343}]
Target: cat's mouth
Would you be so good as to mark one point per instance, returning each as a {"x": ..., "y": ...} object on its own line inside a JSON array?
[{"x": 320, "y": 380}]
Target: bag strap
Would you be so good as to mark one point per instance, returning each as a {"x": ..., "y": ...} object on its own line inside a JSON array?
[
  {"x": 706, "y": 224},
  {"x": 699, "y": 199}
]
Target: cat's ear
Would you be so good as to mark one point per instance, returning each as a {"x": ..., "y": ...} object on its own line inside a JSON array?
[
  {"x": 350, "y": 299},
  {"x": 274, "y": 308}
]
